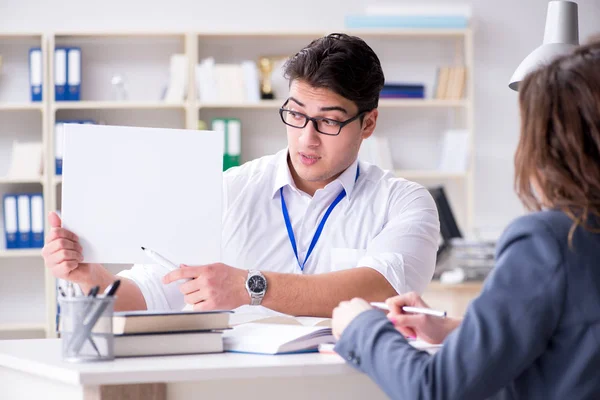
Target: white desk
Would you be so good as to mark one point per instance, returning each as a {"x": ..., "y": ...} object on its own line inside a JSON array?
[{"x": 33, "y": 369}]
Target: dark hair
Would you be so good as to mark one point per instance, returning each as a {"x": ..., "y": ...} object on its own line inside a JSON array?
[
  {"x": 343, "y": 64},
  {"x": 559, "y": 147}
]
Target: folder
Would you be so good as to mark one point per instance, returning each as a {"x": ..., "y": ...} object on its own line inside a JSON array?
[
  {"x": 60, "y": 74},
  {"x": 23, "y": 221},
  {"x": 220, "y": 125},
  {"x": 58, "y": 146},
  {"x": 37, "y": 220},
  {"x": 234, "y": 138},
  {"x": 10, "y": 221},
  {"x": 73, "y": 74},
  {"x": 35, "y": 73}
]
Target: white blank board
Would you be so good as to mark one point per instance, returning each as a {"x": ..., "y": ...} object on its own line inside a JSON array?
[{"x": 127, "y": 187}]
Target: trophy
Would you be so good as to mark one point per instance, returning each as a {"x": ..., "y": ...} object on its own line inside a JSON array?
[{"x": 265, "y": 66}]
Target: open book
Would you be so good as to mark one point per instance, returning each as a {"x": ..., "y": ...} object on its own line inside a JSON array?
[
  {"x": 244, "y": 318},
  {"x": 276, "y": 334},
  {"x": 274, "y": 338}
]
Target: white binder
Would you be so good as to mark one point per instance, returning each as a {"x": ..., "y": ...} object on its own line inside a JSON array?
[{"x": 24, "y": 221}]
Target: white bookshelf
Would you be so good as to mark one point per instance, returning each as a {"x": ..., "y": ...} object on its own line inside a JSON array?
[
  {"x": 22, "y": 119},
  {"x": 105, "y": 53},
  {"x": 117, "y": 105},
  {"x": 20, "y": 253}
]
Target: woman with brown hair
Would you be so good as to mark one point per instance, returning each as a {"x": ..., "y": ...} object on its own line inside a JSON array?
[{"x": 534, "y": 331}]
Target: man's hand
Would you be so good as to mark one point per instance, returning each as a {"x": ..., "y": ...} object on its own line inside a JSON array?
[
  {"x": 62, "y": 254},
  {"x": 345, "y": 313},
  {"x": 212, "y": 287}
]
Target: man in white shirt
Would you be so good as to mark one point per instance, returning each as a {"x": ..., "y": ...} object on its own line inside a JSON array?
[{"x": 305, "y": 228}]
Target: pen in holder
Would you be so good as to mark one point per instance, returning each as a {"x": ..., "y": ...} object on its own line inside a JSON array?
[{"x": 86, "y": 326}]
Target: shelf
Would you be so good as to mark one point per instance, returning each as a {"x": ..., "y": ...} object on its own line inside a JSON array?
[
  {"x": 20, "y": 35},
  {"x": 471, "y": 286},
  {"x": 385, "y": 103},
  {"x": 120, "y": 34},
  {"x": 356, "y": 32},
  {"x": 427, "y": 174},
  {"x": 116, "y": 105},
  {"x": 24, "y": 106},
  {"x": 393, "y": 103},
  {"x": 4, "y": 180},
  {"x": 57, "y": 180},
  {"x": 22, "y": 327},
  {"x": 20, "y": 253}
]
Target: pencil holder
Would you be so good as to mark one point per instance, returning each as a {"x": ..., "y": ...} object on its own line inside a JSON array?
[{"x": 85, "y": 328}]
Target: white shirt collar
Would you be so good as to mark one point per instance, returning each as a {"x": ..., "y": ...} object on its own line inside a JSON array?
[{"x": 283, "y": 177}]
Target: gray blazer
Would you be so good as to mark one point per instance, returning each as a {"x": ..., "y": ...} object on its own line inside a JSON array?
[{"x": 533, "y": 333}]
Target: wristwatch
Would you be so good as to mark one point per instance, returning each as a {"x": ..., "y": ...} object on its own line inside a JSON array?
[{"x": 256, "y": 285}]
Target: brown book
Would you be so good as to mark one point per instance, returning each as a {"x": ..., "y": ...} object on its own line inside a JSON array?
[
  {"x": 128, "y": 322},
  {"x": 442, "y": 83},
  {"x": 172, "y": 343}
]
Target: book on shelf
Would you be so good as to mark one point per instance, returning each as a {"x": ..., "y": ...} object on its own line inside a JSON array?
[
  {"x": 451, "y": 82},
  {"x": 412, "y": 16},
  {"x": 129, "y": 322},
  {"x": 226, "y": 83},
  {"x": 168, "y": 343}
]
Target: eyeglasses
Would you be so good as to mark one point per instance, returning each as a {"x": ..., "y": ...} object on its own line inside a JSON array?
[{"x": 325, "y": 126}]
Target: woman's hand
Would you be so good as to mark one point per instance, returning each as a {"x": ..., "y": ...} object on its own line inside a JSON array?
[
  {"x": 426, "y": 327},
  {"x": 345, "y": 313}
]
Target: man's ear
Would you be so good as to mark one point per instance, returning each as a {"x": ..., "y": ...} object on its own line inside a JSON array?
[{"x": 369, "y": 123}]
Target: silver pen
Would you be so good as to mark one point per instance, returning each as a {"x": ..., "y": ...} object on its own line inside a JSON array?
[{"x": 414, "y": 310}]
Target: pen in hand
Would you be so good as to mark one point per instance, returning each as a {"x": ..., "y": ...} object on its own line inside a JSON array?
[{"x": 409, "y": 309}]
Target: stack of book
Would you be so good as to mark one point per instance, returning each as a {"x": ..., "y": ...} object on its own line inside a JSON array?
[
  {"x": 402, "y": 91},
  {"x": 451, "y": 82},
  {"x": 143, "y": 333},
  {"x": 467, "y": 260}
]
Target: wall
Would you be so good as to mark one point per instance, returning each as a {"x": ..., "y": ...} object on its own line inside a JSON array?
[{"x": 505, "y": 32}]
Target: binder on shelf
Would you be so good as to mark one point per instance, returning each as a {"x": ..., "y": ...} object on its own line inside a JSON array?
[
  {"x": 220, "y": 125},
  {"x": 23, "y": 221},
  {"x": 231, "y": 128},
  {"x": 73, "y": 74},
  {"x": 60, "y": 74},
  {"x": 10, "y": 221},
  {"x": 36, "y": 77},
  {"x": 233, "y": 141},
  {"x": 58, "y": 146},
  {"x": 37, "y": 220}
]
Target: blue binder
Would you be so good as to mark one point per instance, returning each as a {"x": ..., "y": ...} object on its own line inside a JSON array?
[
  {"x": 73, "y": 73},
  {"x": 36, "y": 76},
  {"x": 60, "y": 74},
  {"x": 9, "y": 203},
  {"x": 37, "y": 220},
  {"x": 24, "y": 221}
]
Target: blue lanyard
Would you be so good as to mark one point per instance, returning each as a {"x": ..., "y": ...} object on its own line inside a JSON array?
[{"x": 288, "y": 224}]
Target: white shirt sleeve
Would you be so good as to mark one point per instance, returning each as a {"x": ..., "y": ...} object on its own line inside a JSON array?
[
  {"x": 158, "y": 296},
  {"x": 405, "y": 250}
]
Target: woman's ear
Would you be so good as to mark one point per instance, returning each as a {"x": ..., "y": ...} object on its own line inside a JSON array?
[{"x": 369, "y": 123}]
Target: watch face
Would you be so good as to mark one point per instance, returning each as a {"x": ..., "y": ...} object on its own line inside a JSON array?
[{"x": 256, "y": 284}]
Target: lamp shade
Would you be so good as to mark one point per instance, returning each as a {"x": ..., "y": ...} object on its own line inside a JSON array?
[{"x": 560, "y": 37}]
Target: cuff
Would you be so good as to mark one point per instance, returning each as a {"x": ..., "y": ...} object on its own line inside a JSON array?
[
  {"x": 390, "y": 265},
  {"x": 349, "y": 346}
]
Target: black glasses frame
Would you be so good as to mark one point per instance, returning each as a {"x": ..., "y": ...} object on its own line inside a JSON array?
[{"x": 315, "y": 120}]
